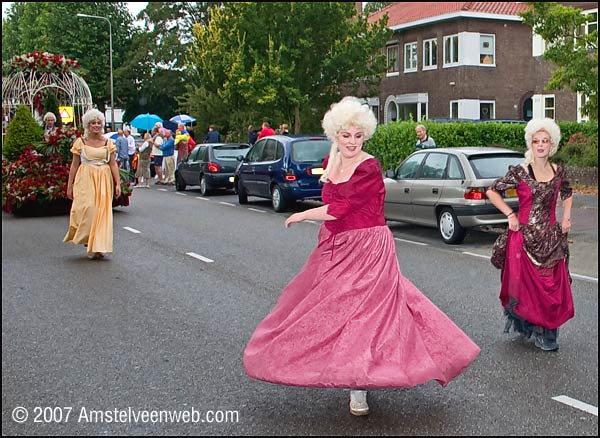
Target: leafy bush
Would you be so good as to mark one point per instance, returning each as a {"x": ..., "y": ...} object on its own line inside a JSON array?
[
  {"x": 22, "y": 131},
  {"x": 579, "y": 151},
  {"x": 393, "y": 142}
]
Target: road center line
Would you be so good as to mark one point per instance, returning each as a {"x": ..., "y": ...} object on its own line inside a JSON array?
[
  {"x": 476, "y": 255},
  {"x": 199, "y": 257},
  {"x": 133, "y": 230},
  {"x": 227, "y": 203},
  {"x": 411, "y": 241},
  {"x": 577, "y": 404},
  {"x": 257, "y": 210}
]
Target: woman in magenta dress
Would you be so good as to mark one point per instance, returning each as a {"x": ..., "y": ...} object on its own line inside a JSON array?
[
  {"x": 533, "y": 252},
  {"x": 349, "y": 319}
]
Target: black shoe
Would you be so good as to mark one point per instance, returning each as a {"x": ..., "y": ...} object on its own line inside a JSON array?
[{"x": 545, "y": 344}]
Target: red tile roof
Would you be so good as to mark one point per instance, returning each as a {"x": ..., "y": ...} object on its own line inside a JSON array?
[{"x": 402, "y": 13}]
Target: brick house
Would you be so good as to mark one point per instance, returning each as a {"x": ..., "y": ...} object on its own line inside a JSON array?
[{"x": 468, "y": 60}]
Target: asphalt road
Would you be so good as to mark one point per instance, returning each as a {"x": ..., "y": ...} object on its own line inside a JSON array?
[{"x": 159, "y": 328}]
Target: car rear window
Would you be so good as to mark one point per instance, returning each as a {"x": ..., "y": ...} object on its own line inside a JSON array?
[
  {"x": 494, "y": 165},
  {"x": 306, "y": 151},
  {"x": 230, "y": 152}
]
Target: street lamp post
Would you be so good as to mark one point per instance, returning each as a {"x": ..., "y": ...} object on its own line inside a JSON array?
[{"x": 112, "y": 102}]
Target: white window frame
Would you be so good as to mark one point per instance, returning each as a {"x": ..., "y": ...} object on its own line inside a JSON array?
[
  {"x": 493, "y": 50},
  {"x": 493, "y": 102},
  {"x": 411, "y": 57},
  {"x": 545, "y": 108},
  {"x": 581, "y": 99},
  {"x": 394, "y": 69},
  {"x": 587, "y": 25},
  {"x": 454, "y": 57},
  {"x": 430, "y": 51},
  {"x": 452, "y": 115}
]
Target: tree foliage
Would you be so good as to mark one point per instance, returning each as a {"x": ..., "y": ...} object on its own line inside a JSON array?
[
  {"x": 573, "y": 50},
  {"x": 372, "y": 7},
  {"x": 21, "y": 132},
  {"x": 279, "y": 62}
]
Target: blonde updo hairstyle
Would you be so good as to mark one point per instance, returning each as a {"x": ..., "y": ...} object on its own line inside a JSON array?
[
  {"x": 533, "y": 127},
  {"x": 349, "y": 111},
  {"x": 89, "y": 116}
]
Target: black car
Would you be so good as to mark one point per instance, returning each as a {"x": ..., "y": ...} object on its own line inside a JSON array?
[{"x": 210, "y": 165}]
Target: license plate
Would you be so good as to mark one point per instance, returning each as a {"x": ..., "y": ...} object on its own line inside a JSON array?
[
  {"x": 510, "y": 193},
  {"x": 316, "y": 171}
]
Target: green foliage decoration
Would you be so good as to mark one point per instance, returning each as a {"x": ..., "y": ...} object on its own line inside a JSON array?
[{"x": 22, "y": 131}]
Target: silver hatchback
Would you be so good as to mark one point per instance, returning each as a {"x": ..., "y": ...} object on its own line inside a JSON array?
[{"x": 445, "y": 188}]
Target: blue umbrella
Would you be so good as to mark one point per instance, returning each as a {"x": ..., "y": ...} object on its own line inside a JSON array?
[
  {"x": 111, "y": 135},
  {"x": 183, "y": 118},
  {"x": 145, "y": 121}
]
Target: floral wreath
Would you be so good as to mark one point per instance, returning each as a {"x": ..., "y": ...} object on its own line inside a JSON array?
[{"x": 43, "y": 62}]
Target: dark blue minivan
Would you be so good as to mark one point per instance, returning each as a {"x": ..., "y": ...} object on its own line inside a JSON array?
[{"x": 282, "y": 168}]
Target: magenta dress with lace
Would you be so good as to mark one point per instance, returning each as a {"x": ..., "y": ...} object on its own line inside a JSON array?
[
  {"x": 536, "y": 290},
  {"x": 349, "y": 319}
]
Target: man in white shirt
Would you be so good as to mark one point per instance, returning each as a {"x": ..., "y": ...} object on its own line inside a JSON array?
[{"x": 130, "y": 150}]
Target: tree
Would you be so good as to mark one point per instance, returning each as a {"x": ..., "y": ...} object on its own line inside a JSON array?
[
  {"x": 278, "y": 62},
  {"x": 570, "y": 47},
  {"x": 21, "y": 132},
  {"x": 372, "y": 7}
]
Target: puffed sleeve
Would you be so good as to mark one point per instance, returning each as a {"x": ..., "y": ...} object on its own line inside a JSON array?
[
  {"x": 509, "y": 181},
  {"x": 77, "y": 145},
  {"x": 111, "y": 146},
  {"x": 565, "y": 186},
  {"x": 365, "y": 183}
]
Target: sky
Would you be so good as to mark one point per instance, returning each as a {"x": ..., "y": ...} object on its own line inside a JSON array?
[{"x": 134, "y": 7}]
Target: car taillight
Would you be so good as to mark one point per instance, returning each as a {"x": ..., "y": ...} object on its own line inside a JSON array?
[
  {"x": 213, "y": 167},
  {"x": 475, "y": 193},
  {"x": 289, "y": 175}
]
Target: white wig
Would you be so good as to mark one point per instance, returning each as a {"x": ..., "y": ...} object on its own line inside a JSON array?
[
  {"x": 349, "y": 111},
  {"x": 49, "y": 115},
  {"x": 536, "y": 125},
  {"x": 89, "y": 116}
]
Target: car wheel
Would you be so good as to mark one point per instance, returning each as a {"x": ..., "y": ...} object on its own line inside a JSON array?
[
  {"x": 451, "y": 230},
  {"x": 242, "y": 194},
  {"x": 279, "y": 202},
  {"x": 205, "y": 187},
  {"x": 179, "y": 184}
]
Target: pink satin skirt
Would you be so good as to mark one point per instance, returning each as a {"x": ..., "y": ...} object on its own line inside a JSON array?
[{"x": 349, "y": 319}]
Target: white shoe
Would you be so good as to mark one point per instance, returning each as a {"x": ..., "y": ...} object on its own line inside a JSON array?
[{"x": 358, "y": 402}]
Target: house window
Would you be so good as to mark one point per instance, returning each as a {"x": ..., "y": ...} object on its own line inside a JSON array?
[
  {"x": 454, "y": 109},
  {"x": 581, "y": 101},
  {"x": 451, "y": 50},
  {"x": 487, "y": 110},
  {"x": 487, "y": 50},
  {"x": 410, "y": 57},
  {"x": 392, "y": 59},
  {"x": 592, "y": 23},
  {"x": 549, "y": 107},
  {"x": 429, "y": 54}
]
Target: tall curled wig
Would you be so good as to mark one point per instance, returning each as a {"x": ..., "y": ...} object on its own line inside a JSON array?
[
  {"x": 536, "y": 125},
  {"x": 89, "y": 116},
  {"x": 349, "y": 111}
]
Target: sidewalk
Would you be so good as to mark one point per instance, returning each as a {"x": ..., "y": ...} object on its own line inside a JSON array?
[{"x": 584, "y": 234}]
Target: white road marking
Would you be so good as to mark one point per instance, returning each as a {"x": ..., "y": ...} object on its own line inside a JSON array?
[
  {"x": 476, "y": 255},
  {"x": 199, "y": 257},
  {"x": 162, "y": 190},
  {"x": 133, "y": 230},
  {"x": 180, "y": 194},
  {"x": 585, "y": 277},
  {"x": 227, "y": 203},
  {"x": 203, "y": 199},
  {"x": 577, "y": 404},
  {"x": 411, "y": 241},
  {"x": 257, "y": 210}
]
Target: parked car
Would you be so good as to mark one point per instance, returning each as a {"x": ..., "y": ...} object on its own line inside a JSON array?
[
  {"x": 445, "y": 188},
  {"x": 210, "y": 165},
  {"x": 284, "y": 169}
]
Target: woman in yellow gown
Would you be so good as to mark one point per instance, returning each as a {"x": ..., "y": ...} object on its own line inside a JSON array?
[{"x": 93, "y": 177}]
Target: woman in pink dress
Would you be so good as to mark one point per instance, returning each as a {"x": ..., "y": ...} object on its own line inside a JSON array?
[
  {"x": 349, "y": 319},
  {"x": 533, "y": 252}
]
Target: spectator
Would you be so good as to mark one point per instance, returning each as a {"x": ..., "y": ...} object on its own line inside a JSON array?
[
  {"x": 49, "y": 125},
  {"x": 213, "y": 135},
  {"x": 424, "y": 141},
  {"x": 283, "y": 129},
  {"x": 142, "y": 172},
  {"x": 252, "y": 135},
  {"x": 182, "y": 137},
  {"x": 157, "y": 141},
  {"x": 131, "y": 148},
  {"x": 122, "y": 150},
  {"x": 168, "y": 151},
  {"x": 265, "y": 131}
]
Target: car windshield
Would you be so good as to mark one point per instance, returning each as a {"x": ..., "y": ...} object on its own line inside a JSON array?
[
  {"x": 230, "y": 152},
  {"x": 310, "y": 150},
  {"x": 494, "y": 165}
]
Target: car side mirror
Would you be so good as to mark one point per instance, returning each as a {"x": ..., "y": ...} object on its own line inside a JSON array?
[{"x": 390, "y": 173}]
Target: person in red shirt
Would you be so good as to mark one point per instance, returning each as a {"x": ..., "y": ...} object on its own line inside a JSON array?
[{"x": 266, "y": 130}]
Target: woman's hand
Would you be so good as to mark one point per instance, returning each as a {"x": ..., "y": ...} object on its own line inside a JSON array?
[
  {"x": 565, "y": 225},
  {"x": 118, "y": 190},
  {"x": 295, "y": 218},
  {"x": 513, "y": 222},
  {"x": 70, "y": 192}
]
